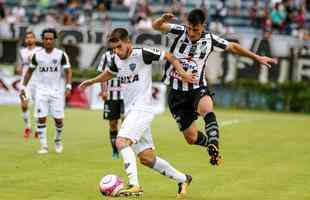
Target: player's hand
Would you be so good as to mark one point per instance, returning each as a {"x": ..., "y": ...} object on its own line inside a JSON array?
[
  {"x": 104, "y": 96},
  {"x": 67, "y": 92},
  {"x": 189, "y": 77},
  {"x": 22, "y": 93},
  {"x": 267, "y": 61},
  {"x": 168, "y": 17},
  {"x": 85, "y": 84}
]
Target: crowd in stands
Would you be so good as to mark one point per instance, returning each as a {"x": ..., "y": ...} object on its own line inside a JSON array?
[{"x": 282, "y": 16}]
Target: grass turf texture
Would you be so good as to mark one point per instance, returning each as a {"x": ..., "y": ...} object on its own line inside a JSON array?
[{"x": 266, "y": 156}]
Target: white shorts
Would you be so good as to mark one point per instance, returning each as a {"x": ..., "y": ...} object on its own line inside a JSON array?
[
  {"x": 49, "y": 104},
  {"x": 137, "y": 127}
]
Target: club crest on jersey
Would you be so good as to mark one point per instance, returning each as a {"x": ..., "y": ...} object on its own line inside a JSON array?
[
  {"x": 54, "y": 61},
  {"x": 132, "y": 66}
]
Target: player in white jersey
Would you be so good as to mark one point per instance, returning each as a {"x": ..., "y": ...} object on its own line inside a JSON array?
[
  {"x": 132, "y": 66},
  {"x": 53, "y": 74},
  {"x": 24, "y": 58},
  {"x": 192, "y": 46}
]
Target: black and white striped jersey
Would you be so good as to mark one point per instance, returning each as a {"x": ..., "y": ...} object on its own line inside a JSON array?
[
  {"x": 114, "y": 85},
  {"x": 192, "y": 55}
]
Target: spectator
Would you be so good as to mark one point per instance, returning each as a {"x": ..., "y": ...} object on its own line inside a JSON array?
[
  {"x": 4, "y": 25},
  {"x": 235, "y": 6},
  {"x": 278, "y": 16},
  {"x": 300, "y": 18}
]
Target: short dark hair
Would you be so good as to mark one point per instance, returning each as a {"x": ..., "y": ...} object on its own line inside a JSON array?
[
  {"x": 30, "y": 32},
  {"x": 49, "y": 30},
  {"x": 118, "y": 34},
  {"x": 196, "y": 16}
]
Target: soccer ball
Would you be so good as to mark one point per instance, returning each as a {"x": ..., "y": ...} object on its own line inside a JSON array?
[{"x": 110, "y": 185}]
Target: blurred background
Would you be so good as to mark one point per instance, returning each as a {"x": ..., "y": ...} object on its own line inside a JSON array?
[{"x": 276, "y": 28}]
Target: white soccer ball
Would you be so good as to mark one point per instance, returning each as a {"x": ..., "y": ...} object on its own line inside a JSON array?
[{"x": 110, "y": 185}]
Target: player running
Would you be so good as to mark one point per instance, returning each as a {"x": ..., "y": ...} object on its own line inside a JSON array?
[
  {"x": 132, "y": 66},
  {"x": 192, "y": 46}
]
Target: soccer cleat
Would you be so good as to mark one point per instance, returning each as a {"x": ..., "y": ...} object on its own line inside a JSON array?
[
  {"x": 182, "y": 187},
  {"x": 215, "y": 158},
  {"x": 43, "y": 150},
  {"x": 132, "y": 190},
  {"x": 115, "y": 155},
  {"x": 27, "y": 133},
  {"x": 58, "y": 147}
]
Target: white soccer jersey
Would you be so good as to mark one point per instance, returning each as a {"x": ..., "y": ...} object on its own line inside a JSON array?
[
  {"x": 50, "y": 70},
  {"x": 24, "y": 60},
  {"x": 135, "y": 73}
]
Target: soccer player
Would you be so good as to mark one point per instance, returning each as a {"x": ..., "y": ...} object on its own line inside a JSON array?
[
  {"x": 24, "y": 58},
  {"x": 132, "y": 66},
  {"x": 50, "y": 64},
  {"x": 113, "y": 101},
  {"x": 192, "y": 46}
]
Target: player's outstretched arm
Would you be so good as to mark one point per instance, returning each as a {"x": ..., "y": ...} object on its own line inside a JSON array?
[
  {"x": 161, "y": 23},
  {"x": 104, "y": 76},
  {"x": 186, "y": 76},
  {"x": 237, "y": 49},
  {"x": 25, "y": 82}
]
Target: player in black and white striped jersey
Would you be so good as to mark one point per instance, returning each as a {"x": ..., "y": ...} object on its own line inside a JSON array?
[
  {"x": 192, "y": 46},
  {"x": 113, "y": 101}
]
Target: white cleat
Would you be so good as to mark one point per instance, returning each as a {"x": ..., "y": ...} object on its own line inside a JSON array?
[
  {"x": 43, "y": 150},
  {"x": 58, "y": 147}
]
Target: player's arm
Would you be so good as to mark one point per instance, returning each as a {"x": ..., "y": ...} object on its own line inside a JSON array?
[
  {"x": 65, "y": 63},
  {"x": 235, "y": 48},
  {"x": 103, "y": 77},
  {"x": 28, "y": 76},
  {"x": 106, "y": 75},
  {"x": 19, "y": 66},
  {"x": 153, "y": 54},
  {"x": 162, "y": 23},
  {"x": 186, "y": 76},
  {"x": 104, "y": 90}
]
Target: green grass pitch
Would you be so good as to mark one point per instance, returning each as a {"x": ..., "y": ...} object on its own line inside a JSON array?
[{"x": 266, "y": 157}]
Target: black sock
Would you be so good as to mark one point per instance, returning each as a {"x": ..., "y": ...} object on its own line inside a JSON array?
[
  {"x": 113, "y": 135},
  {"x": 212, "y": 129},
  {"x": 201, "y": 139}
]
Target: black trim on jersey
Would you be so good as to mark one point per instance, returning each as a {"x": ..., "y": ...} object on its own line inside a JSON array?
[
  {"x": 149, "y": 57},
  {"x": 112, "y": 65},
  {"x": 63, "y": 60},
  {"x": 34, "y": 60},
  {"x": 217, "y": 44}
]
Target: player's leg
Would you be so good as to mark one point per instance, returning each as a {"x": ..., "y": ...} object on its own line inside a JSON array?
[
  {"x": 147, "y": 156},
  {"x": 183, "y": 110},
  {"x": 58, "y": 134},
  {"x": 112, "y": 112},
  {"x": 57, "y": 106},
  {"x": 113, "y": 134},
  {"x": 41, "y": 112},
  {"x": 32, "y": 88},
  {"x": 205, "y": 109},
  {"x": 41, "y": 128},
  {"x": 132, "y": 129},
  {"x": 26, "y": 115}
]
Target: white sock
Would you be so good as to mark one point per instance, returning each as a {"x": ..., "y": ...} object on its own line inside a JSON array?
[
  {"x": 166, "y": 169},
  {"x": 27, "y": 119},
  {"x": 58, "y": 133},
  {"x": 130, "y": 163},
  {"x": 41, "y": 128}
]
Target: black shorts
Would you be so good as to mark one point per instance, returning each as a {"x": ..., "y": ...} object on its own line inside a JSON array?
[
  {"x": 183, "y": 105},
  {"x": 113, "y": 109}
]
